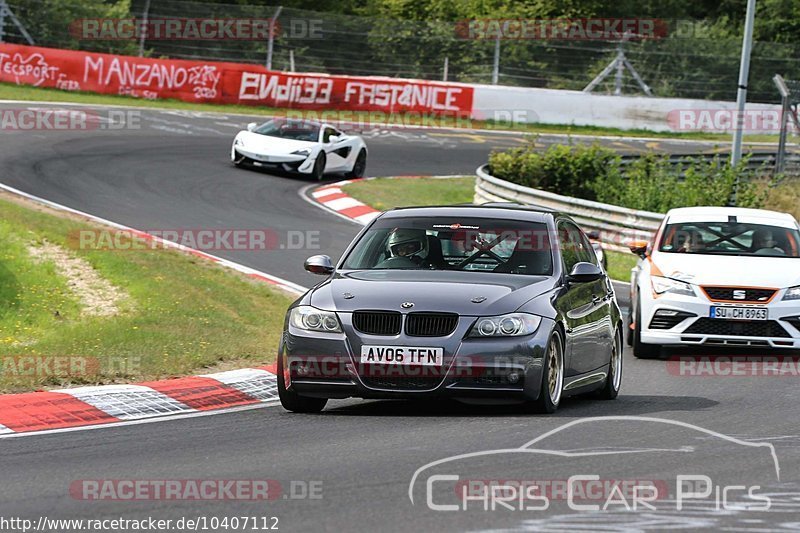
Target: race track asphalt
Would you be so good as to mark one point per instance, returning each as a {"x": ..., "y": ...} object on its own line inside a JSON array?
[{"x": 174, "y": 172}]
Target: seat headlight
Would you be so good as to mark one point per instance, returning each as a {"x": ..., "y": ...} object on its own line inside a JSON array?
[
  {"x": 511, "y": 325},
  {"x": 662, "y": 285},
  {"x": 792, "y": 293},
  {"x": 313, "y": 319},
  {"x": 305, "y": 152}
]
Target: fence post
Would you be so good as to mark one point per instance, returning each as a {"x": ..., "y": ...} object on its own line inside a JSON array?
[
  {"x": 291, "y": 60},
  {"x": 271, "y": 37},
  {"x": 143, "y": 29},
  {"x": 496, "y": 65},
  {"x": 2, "y": 19},
  {"x": 620, "y": 67},
  {"x": 446, "y": 65},
  {"x": 779, "y": 157}
]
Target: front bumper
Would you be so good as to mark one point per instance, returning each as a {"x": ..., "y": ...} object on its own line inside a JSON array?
[
  {"x": 780, "y": 330},
  {"x": 285, "y": 163},
  {"x": 328, "y": 365}
]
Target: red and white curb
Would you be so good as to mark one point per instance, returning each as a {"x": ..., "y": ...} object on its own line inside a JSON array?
[
  {"x": 333, "y": 198},
  {"x": 110, "y": 404},
  {"x": 45, "y": 411}
]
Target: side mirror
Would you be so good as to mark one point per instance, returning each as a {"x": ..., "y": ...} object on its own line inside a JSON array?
[
  {"x": 334, "y": 139},
  {"x": 252, "y": 126},
  {"x": 319, "y": 264},
  {"x": 585, "y": 272},
  {"x": 638, "y": 247}
]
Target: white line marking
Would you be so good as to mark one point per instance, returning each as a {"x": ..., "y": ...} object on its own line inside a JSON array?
[
  {"x": 303, "y": 193},
  {"x": 327, "y": 191},
  {"x": 367, "y": 217},
  {"x": 237, "y": 376},
  {"x": 341, "y": 204}
]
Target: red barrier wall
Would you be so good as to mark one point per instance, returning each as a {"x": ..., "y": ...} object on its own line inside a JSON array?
[{"x": 230, "y": 83}]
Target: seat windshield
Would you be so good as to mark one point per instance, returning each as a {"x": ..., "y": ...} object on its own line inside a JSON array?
[{"x": 730, "y": 238}]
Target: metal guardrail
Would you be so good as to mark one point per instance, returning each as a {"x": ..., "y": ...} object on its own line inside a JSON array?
[
  {"x": 756, "y": 160},
  {"x": 616, "y": 225}
]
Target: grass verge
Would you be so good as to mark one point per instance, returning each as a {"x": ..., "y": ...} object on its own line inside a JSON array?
[
  {"x": 179, "y": 314},
  {"x": 10, "y": 91},
  {"x": 385, "y": 194},
  {"x": 620, "y": 264}
]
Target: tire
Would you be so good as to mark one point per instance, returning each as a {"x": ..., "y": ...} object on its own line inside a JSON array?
[
  {"x": 291, "y": 401},
  {"x": 629, "y": 329},
  {"x": 552, "y": 387},
  {"x": 614, "y": 380},
  {"x": 237, "y": 162},
  {"x": 359, "y": 167},
  {"x": 640, "y": 349},
  {"x": 319, "y": 167}
]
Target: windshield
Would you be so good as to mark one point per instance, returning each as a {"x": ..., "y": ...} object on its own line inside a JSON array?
[
  {"x": 466, "y": 244},
  {"x": 730, "y": 238},
  {"x": 296, "y": 130}
]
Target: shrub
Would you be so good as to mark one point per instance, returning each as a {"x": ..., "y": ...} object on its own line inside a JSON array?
[
  {"x": 653, "y": 184},
  {"x": 650, "y": 183},
  {"x": 570, "y": 170},
  {"x": 784, "y": 196}
]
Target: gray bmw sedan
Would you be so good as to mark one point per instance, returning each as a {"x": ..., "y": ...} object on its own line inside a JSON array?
[{"x": 470, "y": 302}]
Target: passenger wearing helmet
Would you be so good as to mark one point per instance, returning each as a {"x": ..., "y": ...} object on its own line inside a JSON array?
[{"x": 405, "y": 248}]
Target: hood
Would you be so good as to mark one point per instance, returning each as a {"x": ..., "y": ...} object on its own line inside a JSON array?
[
  {"x": 435, "y": 291},
  {"x": 758, "y": 271},
  {"x": 271, "y": 145}
]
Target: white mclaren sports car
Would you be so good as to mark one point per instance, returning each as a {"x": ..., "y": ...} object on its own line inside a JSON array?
[
  {"x": 303, "y": 147},
  {"x": 717, "y": 276}
]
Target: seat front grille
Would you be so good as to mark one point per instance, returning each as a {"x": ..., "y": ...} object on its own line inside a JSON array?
[
  {"x": 739, "y": 328},
  {"x": 728, "y": 294}
]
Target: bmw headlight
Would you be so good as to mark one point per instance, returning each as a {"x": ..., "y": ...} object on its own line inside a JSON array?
[
  {"x": 305, "y": 152},
  {"x": 313, "y": 319},
  {"x": 511, "y": 325},
  {"x": 792, "y": 293},
  {"x": 662, "y": 285}
]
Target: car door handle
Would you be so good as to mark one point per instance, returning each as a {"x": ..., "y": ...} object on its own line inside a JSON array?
[{"x": 596, "y": 300}]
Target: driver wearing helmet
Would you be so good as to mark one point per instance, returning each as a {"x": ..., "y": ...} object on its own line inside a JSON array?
[{"x": 406, "y": 246}]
